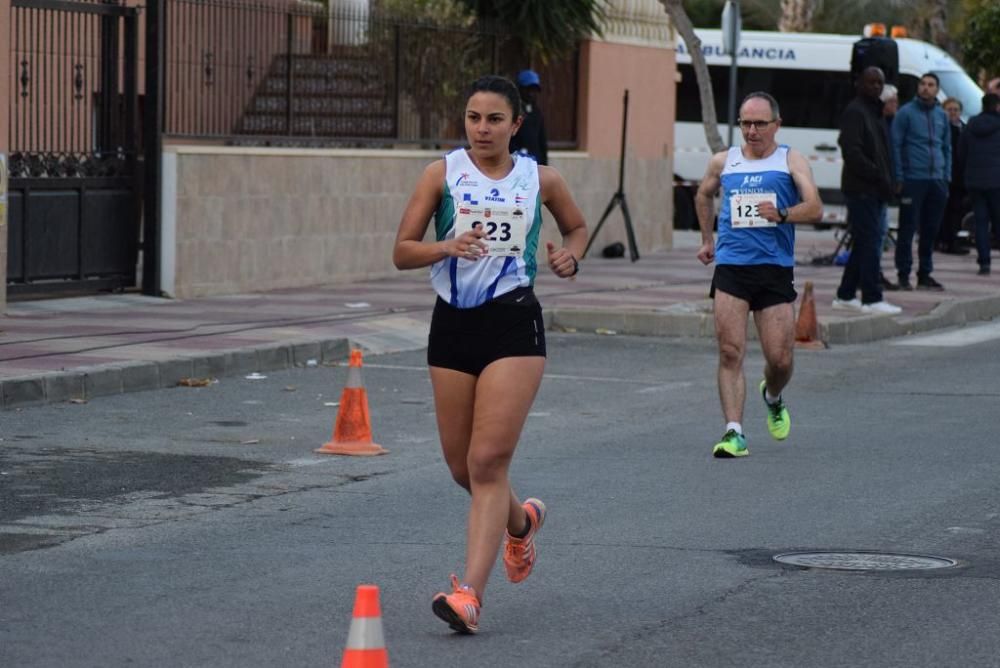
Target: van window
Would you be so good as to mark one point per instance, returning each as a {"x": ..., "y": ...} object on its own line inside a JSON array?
[
  {"x": 808, "y": 99},
  {"x": 960, "y": 86}
]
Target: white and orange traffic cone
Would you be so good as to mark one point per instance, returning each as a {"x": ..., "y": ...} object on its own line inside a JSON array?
[
  {"x": 352, "y": 432},
  {"x": 365, "y": 641}
]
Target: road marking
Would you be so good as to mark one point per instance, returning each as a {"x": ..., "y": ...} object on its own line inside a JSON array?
[
  {"x": 967, "y": 336},
  {"x": 306, "y": 462},
  {"x": 665, "y": 388}
]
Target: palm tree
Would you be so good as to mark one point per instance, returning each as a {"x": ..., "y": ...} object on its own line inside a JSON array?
[{"x": 550, "y": 29}]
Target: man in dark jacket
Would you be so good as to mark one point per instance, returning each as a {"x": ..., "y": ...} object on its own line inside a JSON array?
[
  {"x": 866, "y": 181},
  {"x": 531, "y": 138},
  {"x": 979, "y": 151},
  {"x": 954, "y": 210}
]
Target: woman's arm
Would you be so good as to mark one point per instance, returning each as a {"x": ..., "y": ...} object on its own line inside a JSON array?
[
  {"x": 558, "y": 200},
  {"x": 410, "y": 250}
]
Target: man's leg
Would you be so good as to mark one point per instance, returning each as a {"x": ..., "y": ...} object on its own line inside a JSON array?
[
  {"x": 848, "y": 288},
  {"x": 883, "y": 233},
  {"x": 776, "y": 330},
  {"x": 931, "y": 212},
  {"x": 731, "y": 333},
  {"x": 981, "y": 210},
  {"x": 907, "y": 227},
  {"x": 951, "y": 223},
  {"x": 864, "y": 212},
  {"x": 986, "y": 204},
  {"x": 868, "y": 212}
]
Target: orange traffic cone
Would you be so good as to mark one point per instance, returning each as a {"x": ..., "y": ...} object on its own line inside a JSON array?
[
  {"x": 806, "y": 327},
  {"x": 352, "y": 432},
  {"x": 365, "y": 642}
]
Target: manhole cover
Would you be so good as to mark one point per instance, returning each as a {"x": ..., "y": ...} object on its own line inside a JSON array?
[{"x": 864, "y": 561}]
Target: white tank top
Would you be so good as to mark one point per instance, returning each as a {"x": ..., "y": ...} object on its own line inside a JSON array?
[{"x": 509, "y": 209}]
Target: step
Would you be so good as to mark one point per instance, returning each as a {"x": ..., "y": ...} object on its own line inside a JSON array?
[
  {"x": 343, "y": 126},
  {"x": 320, "y": 104},
  {"x": 323, "y": 66},
  {"x": 321, "y": 85}
]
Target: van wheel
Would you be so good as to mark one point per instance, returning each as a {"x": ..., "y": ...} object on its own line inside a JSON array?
[{"x": 685, "y": 217}]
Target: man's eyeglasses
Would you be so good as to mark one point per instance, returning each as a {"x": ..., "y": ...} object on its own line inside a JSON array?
[{"x": 757, "y": 125}]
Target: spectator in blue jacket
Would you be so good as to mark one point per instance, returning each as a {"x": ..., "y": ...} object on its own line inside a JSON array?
[
  {"x": 979, "y": 151},
  {"x": 921, "y": 157}
]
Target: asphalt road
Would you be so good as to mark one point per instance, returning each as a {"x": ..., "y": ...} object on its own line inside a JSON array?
[{"x": 196, "y": 527}]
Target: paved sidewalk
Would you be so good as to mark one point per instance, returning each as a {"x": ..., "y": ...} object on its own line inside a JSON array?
[{"x": 60, "y": 350}]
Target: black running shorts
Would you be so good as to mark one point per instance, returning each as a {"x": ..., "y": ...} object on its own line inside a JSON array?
[
  {"x": 468, "y": 339},
  {"x": 760, "y": 285}
]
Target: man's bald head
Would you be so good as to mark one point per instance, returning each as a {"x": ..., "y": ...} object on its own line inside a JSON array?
[{"x": 871, "y": 82}]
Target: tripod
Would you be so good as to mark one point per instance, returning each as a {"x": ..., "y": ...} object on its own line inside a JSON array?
[
  {"x": 619, "y": 197},
  {"x": 846, "y": 242}
]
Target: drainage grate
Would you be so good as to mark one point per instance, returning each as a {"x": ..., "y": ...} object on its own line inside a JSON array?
[{"x": 864, "y": 561}]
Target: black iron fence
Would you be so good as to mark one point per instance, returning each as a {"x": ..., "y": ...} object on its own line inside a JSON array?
[
  {"x": 73, "y": 94},
  {"x": 73, "y": 194},
  {"x": 255, "y": 72}
]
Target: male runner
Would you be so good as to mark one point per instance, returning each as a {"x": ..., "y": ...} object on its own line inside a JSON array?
[{"x": 765, "y": 186}]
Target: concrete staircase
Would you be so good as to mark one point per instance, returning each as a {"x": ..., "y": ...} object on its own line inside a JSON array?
[{"x": 332, "y": 96}]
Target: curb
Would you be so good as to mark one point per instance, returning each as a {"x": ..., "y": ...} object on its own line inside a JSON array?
[
  {"x": 695, "y": 320},
  {"x": 691, "y": 320},
  {"x": 869, "y": 328},
  {"x": 86, "y": 383}
]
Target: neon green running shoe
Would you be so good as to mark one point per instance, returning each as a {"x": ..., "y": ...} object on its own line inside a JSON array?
[
  {"x": 778, "y": 422},
  {"x": 731, "y": 445}
]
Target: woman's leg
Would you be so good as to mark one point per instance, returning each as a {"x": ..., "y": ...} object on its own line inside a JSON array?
[
  {"x": 503, "y": 397},
  {"x": 454, "y": 401}
]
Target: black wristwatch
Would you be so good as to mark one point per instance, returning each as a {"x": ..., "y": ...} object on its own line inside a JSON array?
[
  {"x": 784, "y": 215},
  {"x": 576, "y": 267}
]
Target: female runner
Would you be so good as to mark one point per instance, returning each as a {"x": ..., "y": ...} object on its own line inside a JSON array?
[{"x": 486, "y": 349}]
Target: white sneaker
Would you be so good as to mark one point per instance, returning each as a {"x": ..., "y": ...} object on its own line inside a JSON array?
[
  {"x": 881, "y": 308},
  {"x": 848, "y": 304}
]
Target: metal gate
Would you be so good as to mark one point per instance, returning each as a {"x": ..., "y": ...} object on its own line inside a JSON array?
[{"x": 74, "y": 190}]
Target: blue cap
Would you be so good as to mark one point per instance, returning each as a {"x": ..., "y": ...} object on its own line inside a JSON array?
[{"x": 527, "y": 78}]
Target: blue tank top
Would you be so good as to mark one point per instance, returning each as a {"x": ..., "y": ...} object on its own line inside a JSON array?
[{"x": 742, "y": 239}]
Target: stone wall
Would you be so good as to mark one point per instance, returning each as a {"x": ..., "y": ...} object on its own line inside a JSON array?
[{"x": 251, "y": 219}]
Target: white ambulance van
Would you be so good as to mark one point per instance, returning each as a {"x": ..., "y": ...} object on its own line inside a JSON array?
[{"x": 810, "y": 76}]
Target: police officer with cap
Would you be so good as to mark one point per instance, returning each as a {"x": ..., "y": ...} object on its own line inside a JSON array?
[{"x": 530, "y": 138}]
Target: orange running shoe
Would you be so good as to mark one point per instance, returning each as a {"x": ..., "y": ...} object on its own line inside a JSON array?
[
  {"x": 519, "y": 553},
  {"x": 460, "y": 608}
]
